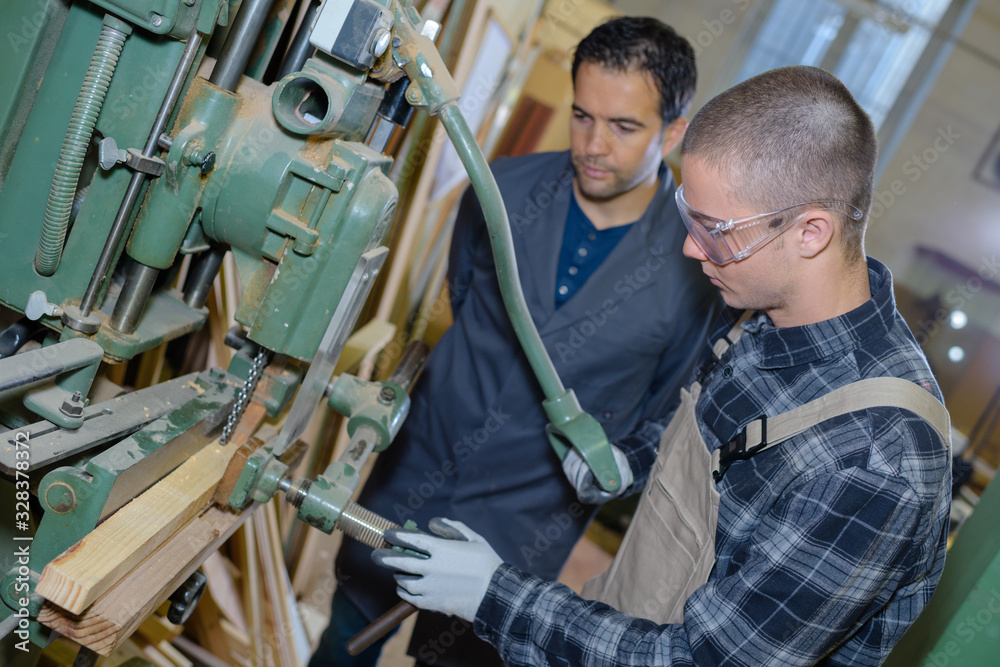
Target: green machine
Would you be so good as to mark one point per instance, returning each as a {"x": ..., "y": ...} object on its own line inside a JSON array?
[{"x": 131, "y": 162}]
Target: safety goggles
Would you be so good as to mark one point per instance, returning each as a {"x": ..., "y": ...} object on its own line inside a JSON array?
[{"x": 725, "y": 241}]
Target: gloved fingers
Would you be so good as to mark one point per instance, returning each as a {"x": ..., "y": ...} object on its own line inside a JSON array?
[
  {"x": 399, "y": 561},
  {"x": 404, "y": 537},
  {"x": 422, "y": 543},
  {"x": 571, "y": 463},
  {"x": 576, "y": 470},
  {"x": 409, "y": 583},
  {"x": 409, "y": 597},
  {"x": 452, "y": 530},
  {"x": 624, "y": 469}
]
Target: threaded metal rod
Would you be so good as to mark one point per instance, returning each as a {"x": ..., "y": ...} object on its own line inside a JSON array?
[
  {"x": 364, "y": 525},
  {"x": 74, "y": 146},
  {"x": 120, "y": 224}
]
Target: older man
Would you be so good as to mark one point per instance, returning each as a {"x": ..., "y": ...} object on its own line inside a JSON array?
[{"x": 598, "y": 240}]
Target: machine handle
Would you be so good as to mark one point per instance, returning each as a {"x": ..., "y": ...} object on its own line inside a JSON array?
[
  {"x": 410, "y": 365},
  {"x": 379, "y": 627}
]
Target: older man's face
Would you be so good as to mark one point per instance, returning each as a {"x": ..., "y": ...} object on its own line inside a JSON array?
[{"x": 616, "y": 132}]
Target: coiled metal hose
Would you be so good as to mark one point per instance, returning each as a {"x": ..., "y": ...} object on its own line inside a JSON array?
[{"x": 74, "y": 146}]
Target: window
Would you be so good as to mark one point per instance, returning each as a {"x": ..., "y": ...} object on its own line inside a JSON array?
[{"x": 872, "y": 47}]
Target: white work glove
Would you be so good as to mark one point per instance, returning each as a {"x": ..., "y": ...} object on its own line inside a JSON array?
[
  {"x": 453, "y": 576},
  {"x": 581, "y": 477}
]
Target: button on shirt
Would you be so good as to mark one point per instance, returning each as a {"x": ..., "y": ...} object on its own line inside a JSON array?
[
  {"x": 584, "y": 247},
  {"x": 827, "y": 546}
]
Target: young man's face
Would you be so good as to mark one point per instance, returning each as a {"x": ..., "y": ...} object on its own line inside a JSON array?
[
  {"x": 762, "y": 281},
  {"x": 616, "y": 132}
]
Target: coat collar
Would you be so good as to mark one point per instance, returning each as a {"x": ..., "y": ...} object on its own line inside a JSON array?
[{"x": 538, "y": 240}]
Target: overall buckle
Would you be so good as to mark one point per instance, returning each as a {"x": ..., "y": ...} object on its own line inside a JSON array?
[{"x": 736, "y": 449}]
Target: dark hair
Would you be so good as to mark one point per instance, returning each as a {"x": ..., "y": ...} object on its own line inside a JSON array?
[
  {"x": 645, "y": 44},
  {"x": 789, "y": 136}
]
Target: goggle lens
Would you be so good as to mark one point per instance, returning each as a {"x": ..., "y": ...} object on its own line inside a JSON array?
[{"x": 725, "y": 241}]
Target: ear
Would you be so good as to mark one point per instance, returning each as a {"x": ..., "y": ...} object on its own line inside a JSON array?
[
  {"x": 673, "y": 134},
  {"x": 814, "y": 232}
]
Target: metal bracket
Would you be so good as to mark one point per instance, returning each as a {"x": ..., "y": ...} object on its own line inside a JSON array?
[{"x": 109, "y": 155}]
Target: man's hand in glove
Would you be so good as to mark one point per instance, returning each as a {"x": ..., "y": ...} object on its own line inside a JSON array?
[
  {"x": 452, "y": 576},
  {"x": 581, "y": 477}
]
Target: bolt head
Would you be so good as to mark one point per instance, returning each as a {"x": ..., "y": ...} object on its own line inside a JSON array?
[
  {"x": 387, "y": 395},
  {"x": 207, "y": 163},
  {"x": 73, "y": 406},
  {"x": 156, "y": 20},
  {"x": 380, "y": 42}
]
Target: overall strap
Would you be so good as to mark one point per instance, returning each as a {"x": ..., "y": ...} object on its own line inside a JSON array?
[
  {"x": 766, "y": 432},
  {"x": 722, "y": 346},
  {"x": 728, "y": 340}
]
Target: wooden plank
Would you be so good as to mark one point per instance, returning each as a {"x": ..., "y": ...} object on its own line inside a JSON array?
[
  {"x": 91, "y": 567},
  {"x": 222, "y": 588},
  {"x": 115, "y": 616},
  {"x": 376, "y": 334},
  {"x": 156, "y": 629},
  {"x": 205, "y": 625},
  {"x": 245, "y": 447},
  {"x": 253, "y": 603}
]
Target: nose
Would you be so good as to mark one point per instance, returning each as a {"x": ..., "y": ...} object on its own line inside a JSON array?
[
  {"x": 598, "y": 140},
  {"x": 693, "y": 250}
]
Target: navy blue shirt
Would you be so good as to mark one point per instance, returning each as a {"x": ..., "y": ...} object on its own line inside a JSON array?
[{"x": 584, "y": 247}]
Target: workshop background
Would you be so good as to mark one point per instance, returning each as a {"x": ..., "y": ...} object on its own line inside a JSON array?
[{"x": 928, "y": 71}]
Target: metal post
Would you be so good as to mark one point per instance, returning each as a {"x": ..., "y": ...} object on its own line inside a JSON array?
[
  {"x": 201, "y": 275},
  {"x": 239, "y": 44},
  {"x": 134, "y": 295},
  {"x": 300, "y": 49},
  {"x": 80, "y": 318}
]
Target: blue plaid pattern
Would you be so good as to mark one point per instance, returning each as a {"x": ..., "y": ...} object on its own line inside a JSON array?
[{"x": 828, "y": 546}]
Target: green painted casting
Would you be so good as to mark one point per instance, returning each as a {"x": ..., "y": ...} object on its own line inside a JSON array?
[
  {"x": 75, "y": 498},
  {"x": 175, "y": 18},
  {"x": 961, "y": 624},
  {"x": 383, "y": 406}
]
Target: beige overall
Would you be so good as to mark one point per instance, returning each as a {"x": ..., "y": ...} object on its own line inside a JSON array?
[{"x": 669, "y": 549}]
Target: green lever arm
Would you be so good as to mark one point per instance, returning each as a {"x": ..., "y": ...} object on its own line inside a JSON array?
[{"x": 569, "y": 424}]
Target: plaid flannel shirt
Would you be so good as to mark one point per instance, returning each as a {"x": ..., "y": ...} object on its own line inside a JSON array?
[{"x": 827, "y": 547}]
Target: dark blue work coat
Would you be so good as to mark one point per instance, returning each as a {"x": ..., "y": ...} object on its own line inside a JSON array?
[{"x": 474, "y": 446}]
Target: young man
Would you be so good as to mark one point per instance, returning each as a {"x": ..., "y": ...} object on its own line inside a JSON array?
[
  {"x": 598, "y": 240},
  {"x": 797, "y": 509}
]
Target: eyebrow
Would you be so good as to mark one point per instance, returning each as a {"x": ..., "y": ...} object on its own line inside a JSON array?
[{"x": 624, "y": 120}]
